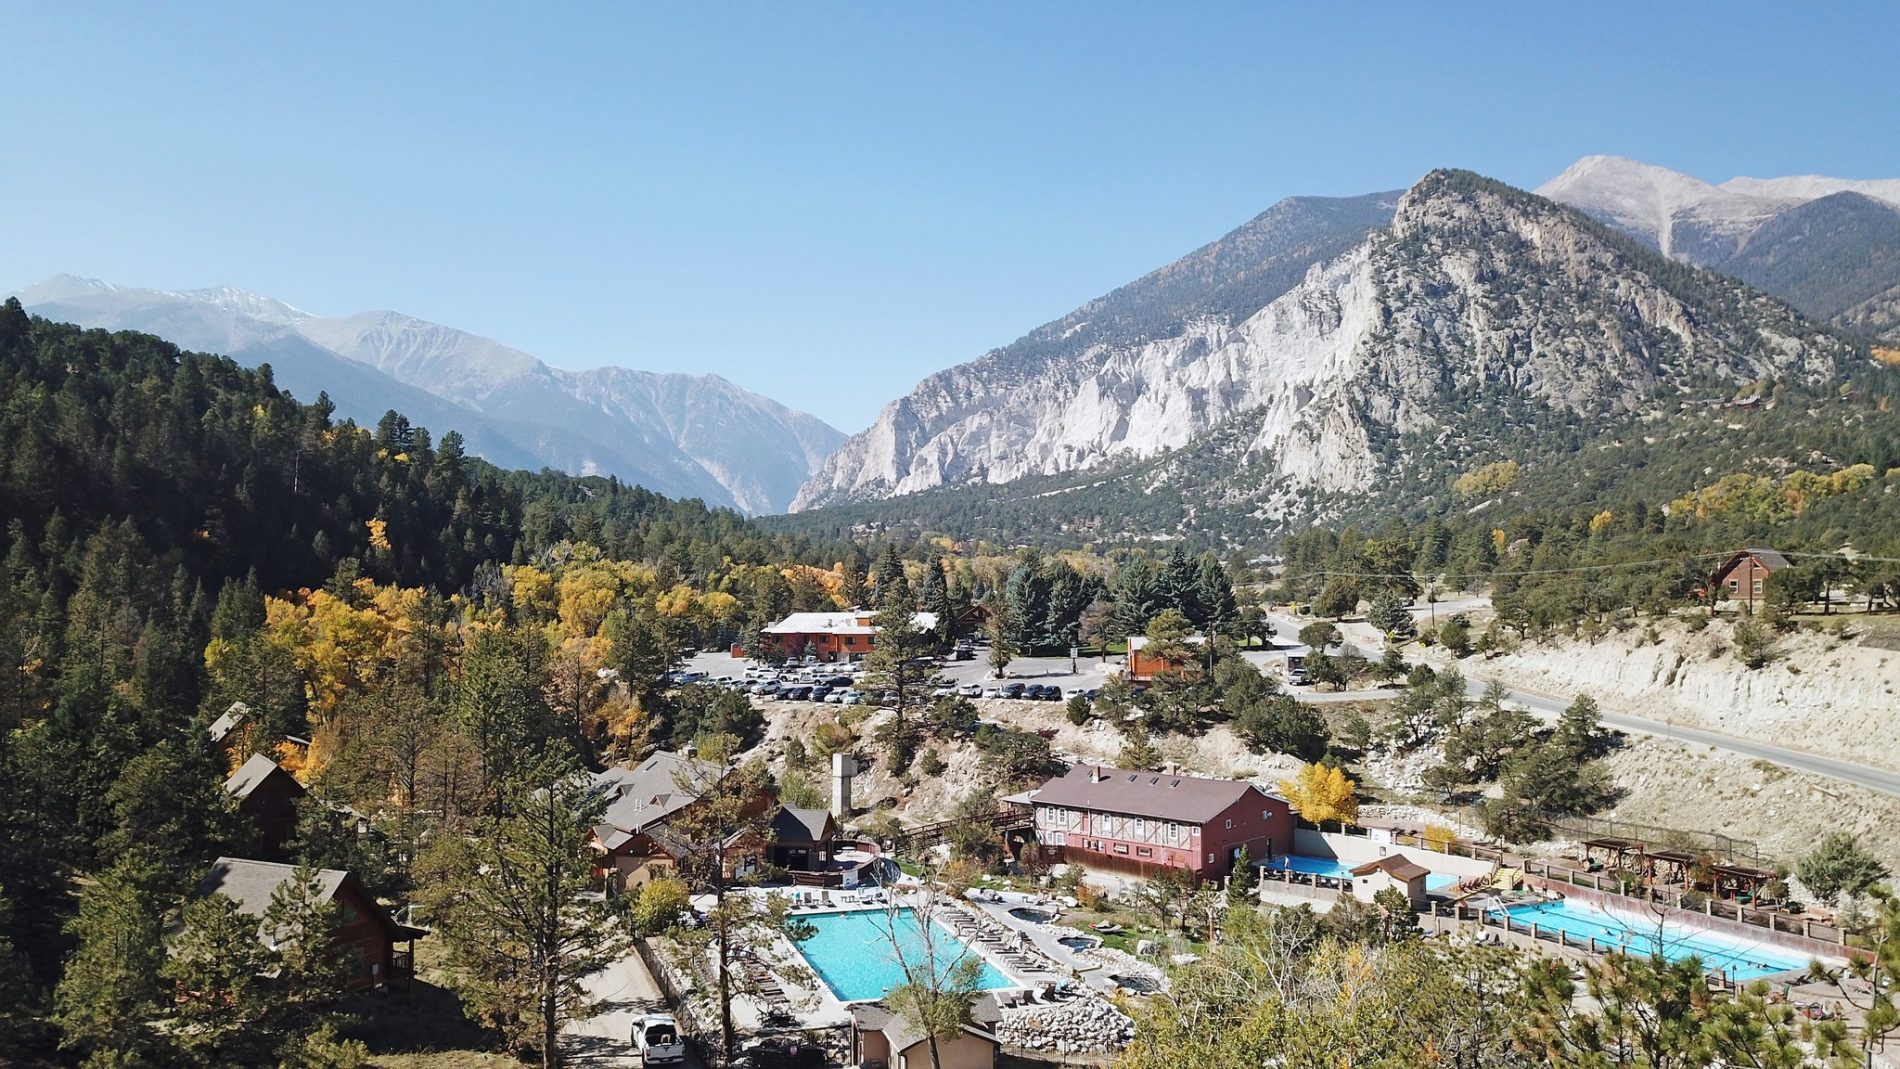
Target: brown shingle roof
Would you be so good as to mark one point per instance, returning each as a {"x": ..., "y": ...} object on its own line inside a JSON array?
[
  {"x": 252, "y": 774},
  {"x": 1189, "y": 799},
  {"x": 1395, "y": 866}
]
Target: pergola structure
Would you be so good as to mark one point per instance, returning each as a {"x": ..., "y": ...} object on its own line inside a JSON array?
[
  {"x": 1740, "y": 881},
  {"x": 1617, "y": 855}
]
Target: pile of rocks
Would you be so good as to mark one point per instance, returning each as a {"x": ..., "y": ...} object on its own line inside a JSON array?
[{"x": 1079, "y": 1026}]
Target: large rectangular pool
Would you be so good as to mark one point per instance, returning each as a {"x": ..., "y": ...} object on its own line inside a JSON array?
[
  {"x": 1736, "y": 958},
  {"x": 852, "y": 953}
]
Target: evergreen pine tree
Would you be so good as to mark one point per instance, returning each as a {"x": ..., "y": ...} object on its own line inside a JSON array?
[{"x": 110, "y": 991}]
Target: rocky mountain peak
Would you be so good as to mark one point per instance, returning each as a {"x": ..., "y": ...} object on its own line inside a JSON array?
[{"x": 1476, "y": 295}]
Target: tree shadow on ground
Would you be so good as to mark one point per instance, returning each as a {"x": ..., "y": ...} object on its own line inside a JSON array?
[{"x": 416, "y": 1016}]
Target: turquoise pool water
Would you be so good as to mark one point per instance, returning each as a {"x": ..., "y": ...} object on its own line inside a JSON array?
[
  {"x": 1738, "y": 959},
  {"x": 852, "y": 954},
  {"x": 1326, "y": 866}
]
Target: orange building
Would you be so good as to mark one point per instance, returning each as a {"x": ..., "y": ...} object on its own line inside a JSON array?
[{"x": 1144, "y": 666}]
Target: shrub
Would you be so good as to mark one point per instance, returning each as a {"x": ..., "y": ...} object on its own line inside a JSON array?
[{"x": 931, "y": 764}]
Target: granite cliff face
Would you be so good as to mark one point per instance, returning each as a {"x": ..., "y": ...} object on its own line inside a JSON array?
[{"x": 1474, "y": 294}]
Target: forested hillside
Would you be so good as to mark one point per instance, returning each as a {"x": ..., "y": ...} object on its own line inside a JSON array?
[{"x": 412, "y": 632}]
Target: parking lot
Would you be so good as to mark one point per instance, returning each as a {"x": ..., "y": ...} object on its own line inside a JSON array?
[{"x": 1090, "y": 672}]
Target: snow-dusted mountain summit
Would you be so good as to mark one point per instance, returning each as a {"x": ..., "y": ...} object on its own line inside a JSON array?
[
  {"x": 681, "y": 435},
  {"x": 1830, "y": 246}
]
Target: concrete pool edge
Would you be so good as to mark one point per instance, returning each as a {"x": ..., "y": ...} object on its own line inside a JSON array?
[
  {"x": 1718, "y": 950},
  {"x": 824, "y": 986}
]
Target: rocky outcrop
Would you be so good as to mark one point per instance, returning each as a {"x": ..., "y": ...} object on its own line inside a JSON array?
[{"x": 1475, "y": 294}]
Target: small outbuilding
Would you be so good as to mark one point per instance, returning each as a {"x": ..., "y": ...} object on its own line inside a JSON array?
[
  {"x": 266, "y": 797},
  {"x": 1393, "y": 870},
  {"x": 881, "y": 1036}
]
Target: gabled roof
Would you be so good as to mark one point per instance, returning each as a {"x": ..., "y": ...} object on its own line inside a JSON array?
[
  {"x": 1189, "y": 799},
  {"x": 841, "y": 623},
  {"x": 1140, "y": 642},
  {"x": 795, "y": 825},
  {"x": 1770, "y": 559},
  {"x": 250, "y": 884},
  {"x": 1396, "y": 866},
  {"x": 902, "y": 1033},
  {"x": 224, "y": 725},
  {"x": 253, "y": 774},
  {"x": 645, "y": 795}
]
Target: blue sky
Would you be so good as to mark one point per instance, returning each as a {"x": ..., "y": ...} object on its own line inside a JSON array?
[{"x": 827, "y": 202}]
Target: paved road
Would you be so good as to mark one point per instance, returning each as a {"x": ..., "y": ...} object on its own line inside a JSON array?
[
  {"x": 1877, "y": 779},
  {"x": 625, "y": 990},
  {"x": 1886, "y": 781}
]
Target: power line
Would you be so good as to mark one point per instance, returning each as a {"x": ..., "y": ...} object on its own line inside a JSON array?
[{"x": 1713, "y": 555}]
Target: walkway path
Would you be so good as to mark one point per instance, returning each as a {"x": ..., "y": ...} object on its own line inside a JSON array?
[{"x": 625, "y": 991}]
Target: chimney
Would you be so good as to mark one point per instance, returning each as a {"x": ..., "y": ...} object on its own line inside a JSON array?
[
  {"x": 1096, "y": 775},
  {"x": 843, "y": 767}
]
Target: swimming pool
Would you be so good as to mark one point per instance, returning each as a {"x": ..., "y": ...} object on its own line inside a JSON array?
[
  {"x": 1333, "y": 868},
  {"x": 851, "y": 952},
  {"x": 1736, "y": 958}
]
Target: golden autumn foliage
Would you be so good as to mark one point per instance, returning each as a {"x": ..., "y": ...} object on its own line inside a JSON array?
[
  {"x": 1490, "y": 479},
  {"x": 1321, "y": 793},
  {"x": 1600, "y": 522},
  {"x": 1762, "y": 499},
  {"x": 338, "y": 646}
]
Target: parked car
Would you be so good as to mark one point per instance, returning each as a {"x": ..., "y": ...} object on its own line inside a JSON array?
[
  {"x": 819, "y": 694},
  {"x": 657, "y": 1039},
  {"x": 1013, "y": 691},
  {"x": 993, "y": 692},
  {"x": 944, "y": 691},
  {"x": 971, "y": 690}
]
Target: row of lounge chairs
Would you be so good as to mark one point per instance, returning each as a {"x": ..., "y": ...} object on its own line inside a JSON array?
[
  {"x": 771, "y": 996},
  {"x": 814, "y": 898},
  {"x": 1011, "y": 946}
]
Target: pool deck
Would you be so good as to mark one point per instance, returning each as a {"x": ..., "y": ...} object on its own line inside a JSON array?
[{"x": 816, "y": 1005}]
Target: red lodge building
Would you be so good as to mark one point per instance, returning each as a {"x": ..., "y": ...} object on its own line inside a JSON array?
[{"x": 1128, "y": 821}]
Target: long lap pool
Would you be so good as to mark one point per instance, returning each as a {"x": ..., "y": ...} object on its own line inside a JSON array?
[
  {"x": 1737, "y": 958},
  {"x": 852, "y": 953}
]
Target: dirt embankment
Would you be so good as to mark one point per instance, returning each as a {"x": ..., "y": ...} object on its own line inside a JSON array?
[
  {"x": 1678, "y": 785},
  {"x": 1827, "y": 693},
  {"x": 1217, "y": 752}
]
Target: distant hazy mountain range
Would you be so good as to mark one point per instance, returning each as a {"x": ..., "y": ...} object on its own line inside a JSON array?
[
  {"x": 1828, "y": 246},
  {"x": 680, "y": 435},
  {"x": 1332, "y": 349}
]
